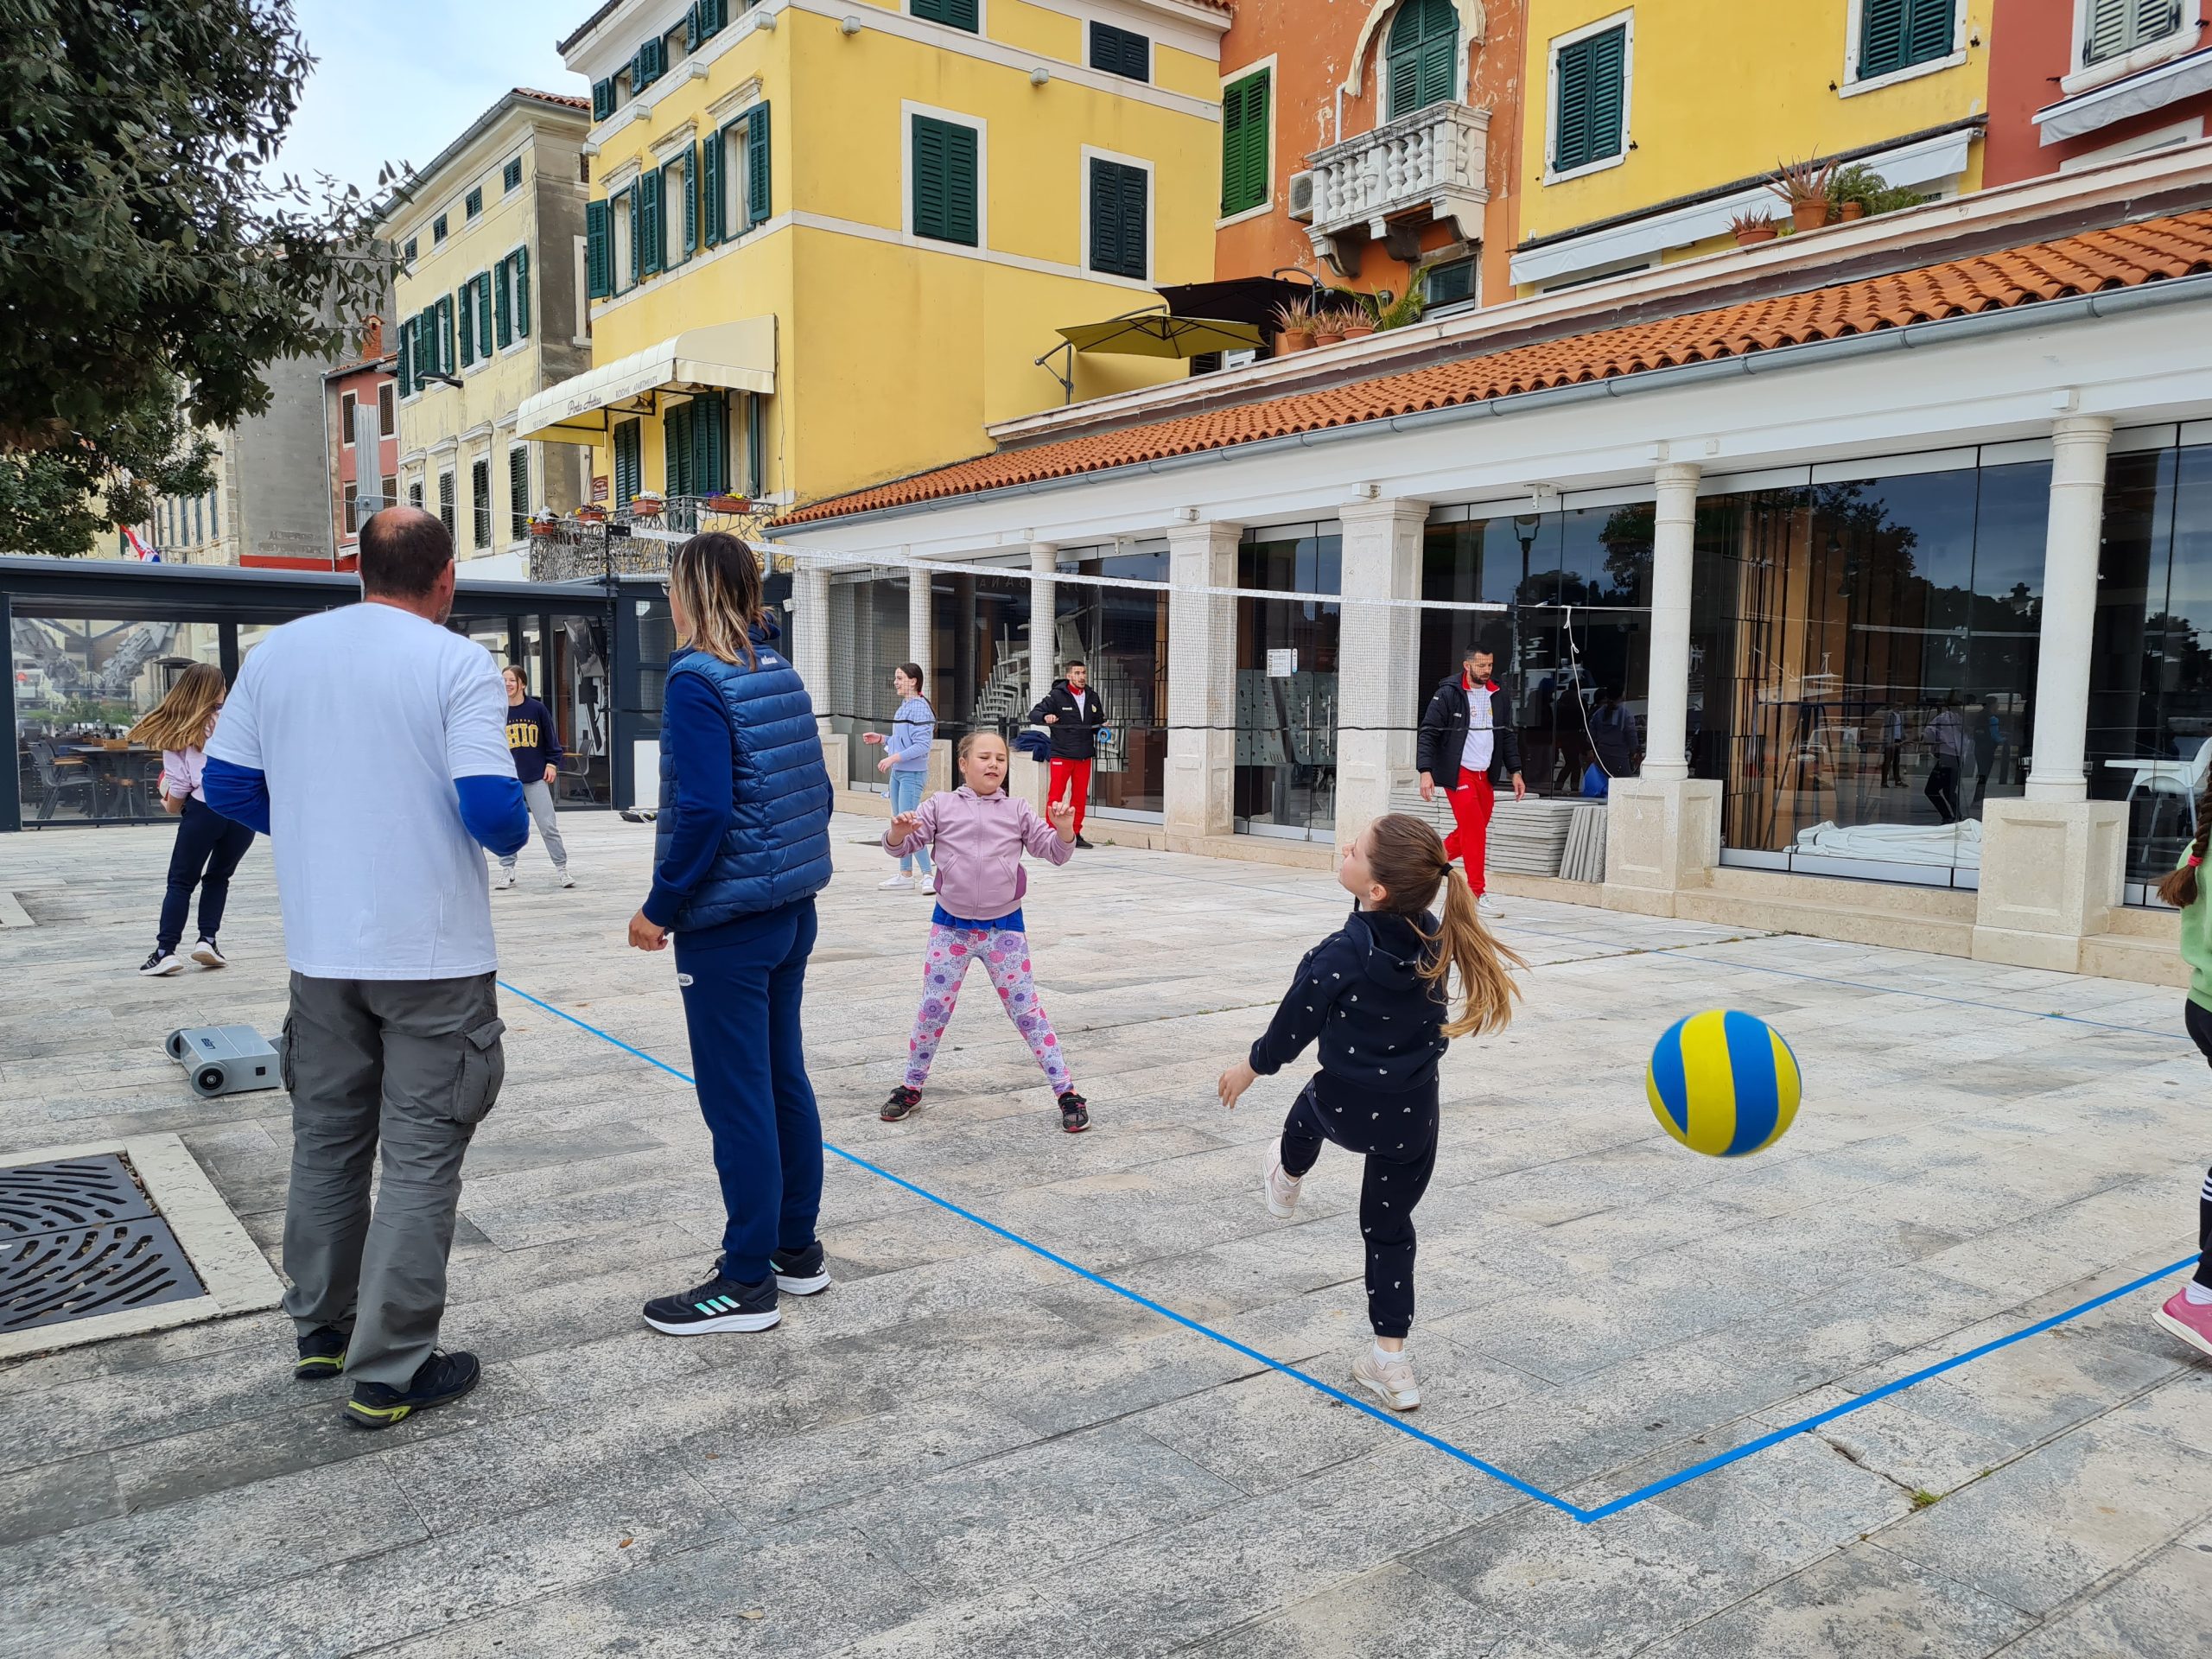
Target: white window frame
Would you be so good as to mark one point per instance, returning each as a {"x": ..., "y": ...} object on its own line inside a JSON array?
[
  {"x": 502, "y": 281},
  {"x": 581, "y": 277},
  {"x": 1851, "y": 85},
  {"x": 908, "y": 109},
  {"x": 622, "y": 208},
  {"x": 2080, "y": 78},
  {"x": 1235, "y": 77},
  {"x": 672, "y": 256},
  {"x": 1624, "y": 19},
  {"x": 1151, "y": 211},
  {"x": 737, "y": 178},
  {"x": 347, "y": 402},
  {"x": 387, "y": 428}
]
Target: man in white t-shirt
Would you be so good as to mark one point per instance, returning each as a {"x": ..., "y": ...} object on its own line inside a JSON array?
[{"x": 369, "y": 743}]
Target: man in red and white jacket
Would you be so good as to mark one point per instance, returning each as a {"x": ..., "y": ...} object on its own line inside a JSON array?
[{"x": 1467, "y": 735}]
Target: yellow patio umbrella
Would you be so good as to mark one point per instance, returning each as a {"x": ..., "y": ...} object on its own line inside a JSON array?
[{"x": 1155, "y": 333}]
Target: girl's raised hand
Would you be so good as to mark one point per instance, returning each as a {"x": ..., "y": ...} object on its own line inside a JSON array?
[
  {"x": 1061, "y": 815},
  {"x": 1235, "y": 1081},
  {"x": 905, "y": 825}
]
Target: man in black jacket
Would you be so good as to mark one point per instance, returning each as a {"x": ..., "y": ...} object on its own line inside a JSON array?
[
  {"x": 1468, "y": 735},
  {"x": 1074, "y": 717}
]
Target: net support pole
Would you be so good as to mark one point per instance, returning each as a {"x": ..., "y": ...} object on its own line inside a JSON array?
[
  {"x": 1201, "y": 680},
  {"x": 1378, "y": 652}
]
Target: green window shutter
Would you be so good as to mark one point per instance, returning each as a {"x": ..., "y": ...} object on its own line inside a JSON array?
[
  {"x": 602, "y": 99},
  {"x": 2108, "y": 30},
  {"x": 645, "y": 216},
  {"x": 403, "y": 369},
  {"x": 944, "y": 180},
  {"x": 1421, "y": 52},
  {"x": 465, "y": 303},
  {"x": 517, "y": 494},
  {"x": 1120, "y": 52},
  {"x": 691, "y": 201},
  {"x": 710, "y": 18},
  {"x": 484, "y": 314},
  {"x": 710, "y": 188},
  {"x": 675, "y": 449},
  {"x": 1244, "y": 183},
  {"x": 1931, "y": 30},
  {"x": 521, "y": 257},
  {"x": 1118, "y": 208},
  {"x": 503, "y": 315},
  {"x": 1439, "y": 66},
  {"x": 626, "y": 462},
  {"x": 691, "y": 36},
  {"x": 1881, "y": 38},
  {"x": 710, "y": 444},
  {"x": 448, "y": 360},
  {"x": 956, "y": 14},
  {"x": 756, "y": 167},
  {"x": 1590, "y": 94},
  {"x": 598, "y": 249}
]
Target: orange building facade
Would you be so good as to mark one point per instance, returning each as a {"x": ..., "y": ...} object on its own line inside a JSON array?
[
  {"x": 1385, "y": 152},
  {"x": 2075, "y": 84}
]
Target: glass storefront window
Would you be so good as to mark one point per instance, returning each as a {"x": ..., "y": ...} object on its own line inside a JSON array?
[
  {"x": 868, "y": 640},
  {"x": 2149, "y": 735},
  {"x": 1863, "y": 665},
  {"x": 1286, "y": 782},
  {"x": 81, "y": 683},
  {"x": 1576, "y": 642},
  {"x": 1122, "y": 633},
  {"x": 980, "y": 658}
]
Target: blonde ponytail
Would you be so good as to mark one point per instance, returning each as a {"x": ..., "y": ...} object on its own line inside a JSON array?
[{"x": 1409, "y": 863}]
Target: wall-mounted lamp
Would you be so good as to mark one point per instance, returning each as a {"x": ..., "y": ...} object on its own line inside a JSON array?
[
  {"x": 849, "y": 27},
  {"x": 1041, "y": 76}
]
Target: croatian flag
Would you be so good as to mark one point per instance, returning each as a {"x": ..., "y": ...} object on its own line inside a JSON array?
[{"x": 138, "y": 548}]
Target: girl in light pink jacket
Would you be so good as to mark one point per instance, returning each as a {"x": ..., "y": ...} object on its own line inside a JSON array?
[{"x": 979, "y": 833}]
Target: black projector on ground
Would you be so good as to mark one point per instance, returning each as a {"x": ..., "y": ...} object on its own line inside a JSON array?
[{"x": 226, "y": 1059}]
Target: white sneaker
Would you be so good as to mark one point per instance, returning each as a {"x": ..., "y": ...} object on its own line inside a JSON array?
[
  {"x": 897, "y": 884},
  {"x": 926, "y": 887},
  {"x": 207, "y": 956},
  {"x": 502, "y": 881},
  {"x": 1486, "y": 907},
  {"x": 1280, "y": 1190},
  {"x": 567, "y": 880},
  {"x": 161, "y": 964},
  {"x": 1389, "y": 1381}
]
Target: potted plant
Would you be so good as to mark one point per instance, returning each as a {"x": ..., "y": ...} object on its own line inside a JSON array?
[
  {"x": 646, "y": 504},
  {"x": 592, "y": 513},
  {"x": 1853, "y": 189},
  {"x": 542, "y": 522},
  {"x": 726, "y": 502},
  {"x": 1293, "y": 327},
  {"x": 1804, "y": 186},
  {"x": 1355, "y": 321},
  {"x": 1328, "y": 325},
  {"x": 1752, "y": 227}
]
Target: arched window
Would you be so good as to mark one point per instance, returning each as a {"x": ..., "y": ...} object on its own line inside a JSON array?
[{"x": 1422, "y": 56}]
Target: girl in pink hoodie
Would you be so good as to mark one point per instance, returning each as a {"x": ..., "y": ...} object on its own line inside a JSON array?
[{"x": 979, "y": 833}]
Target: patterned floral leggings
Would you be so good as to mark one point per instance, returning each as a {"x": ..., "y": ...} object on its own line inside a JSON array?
[{"x": 1004, "y": 952}]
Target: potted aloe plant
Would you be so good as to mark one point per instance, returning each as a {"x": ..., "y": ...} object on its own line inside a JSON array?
[
  {"x": 1804, "y": 184},
  {"x": 1752, "y": 228},
  {"x": 1293, "y": 327}
]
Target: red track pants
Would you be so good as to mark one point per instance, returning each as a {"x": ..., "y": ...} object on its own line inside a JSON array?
[
  {"x": 1065, "y": 772},
  {"x": 1472, "y": 803}
]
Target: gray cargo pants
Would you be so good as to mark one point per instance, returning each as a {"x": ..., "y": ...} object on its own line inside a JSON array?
[
  {"x": 412, "y": 1065},
  {"x": 537, "y": 794}
]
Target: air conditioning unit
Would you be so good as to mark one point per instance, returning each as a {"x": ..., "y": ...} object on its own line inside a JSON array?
[{"x": 1302, "y": 196}]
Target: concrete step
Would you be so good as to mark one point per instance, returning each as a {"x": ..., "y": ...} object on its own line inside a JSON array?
[
  {"x": 2126, "y": 956},
  {"x": 1842, "y": 892},
  {"x": 2143, "y": 922},
  {"x": 1946, "y": 930}
]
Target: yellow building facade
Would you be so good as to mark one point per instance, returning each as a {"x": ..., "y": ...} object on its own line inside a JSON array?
[
  {"x": 847, "y": 232},
  {"x": 1647, "y": 127},
  {"x": 489, "y": 298}
]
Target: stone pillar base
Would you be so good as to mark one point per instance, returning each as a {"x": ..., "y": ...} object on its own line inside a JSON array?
[
  {"x": 943, "y": 775},
  {"x": 1201, "y": 772},
  {"x": 1660, "y": 839},
  {"x": 2050, "y": 871}
]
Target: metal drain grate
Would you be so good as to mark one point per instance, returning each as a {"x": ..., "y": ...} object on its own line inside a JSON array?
[{"x": 79, "y": 1237}]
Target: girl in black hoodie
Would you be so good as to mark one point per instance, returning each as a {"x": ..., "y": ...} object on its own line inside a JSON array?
[{"x": 1375, "y": 993}]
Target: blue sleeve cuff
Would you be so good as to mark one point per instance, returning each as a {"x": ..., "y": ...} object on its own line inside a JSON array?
[
  {"x": 492, "y": 809},
  {"x": 239, "y": 793}
]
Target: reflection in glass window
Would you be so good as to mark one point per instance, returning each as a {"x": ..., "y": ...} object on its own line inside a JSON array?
[
  {"x": 1286, "y": 781},
  {"x": 1121, "y": 633}
]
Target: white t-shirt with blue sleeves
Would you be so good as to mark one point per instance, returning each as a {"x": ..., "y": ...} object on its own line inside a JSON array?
[{"x": 361, "y": 720}]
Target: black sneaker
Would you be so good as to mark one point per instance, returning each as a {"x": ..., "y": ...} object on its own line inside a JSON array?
[
  {"x": 901, "y": 1104},
  {"x": 802, "y": 1272},
  {"x": 1083, "y": 844},
  {"x": 322, "y": 1353},
  {"x": 715, "y": 1307},
  {"x": 161, "y": 964},
  {"x": 1074, "y": 1113},
  {"x": 439, "y": 1380}
]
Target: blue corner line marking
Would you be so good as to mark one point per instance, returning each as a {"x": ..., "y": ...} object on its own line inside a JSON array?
[{"x": 1573, "y": 1511}]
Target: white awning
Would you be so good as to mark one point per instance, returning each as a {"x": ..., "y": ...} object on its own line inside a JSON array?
[
  {"x": 737, "y": 356},
  {"x": 1930, "y": 162},
  {"x": 2133, "y": 95}
]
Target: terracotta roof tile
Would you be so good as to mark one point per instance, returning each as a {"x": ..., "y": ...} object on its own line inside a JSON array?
[
  {"x": 572, "y": 101},
  {"x": 2123, "y": 257}
]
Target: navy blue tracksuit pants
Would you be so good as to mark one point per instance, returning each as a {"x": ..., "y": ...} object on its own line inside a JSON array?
[
  {"x": 1398, "y": 1134},
  {"x": 206, "y": 852},
  {"x": 742, "y": 984}
]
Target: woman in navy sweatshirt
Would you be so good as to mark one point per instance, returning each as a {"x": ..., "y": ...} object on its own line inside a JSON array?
[
  {"x": 741, "y": 846},
  {"x": 1374, "y": 995}
]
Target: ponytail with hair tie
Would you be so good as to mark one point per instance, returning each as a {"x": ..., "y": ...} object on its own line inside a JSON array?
[
  {"x": 2181, "y": 889},
  {"x": 1409, "y": 862}
]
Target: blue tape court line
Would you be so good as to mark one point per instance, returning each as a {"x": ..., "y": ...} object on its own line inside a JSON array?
[{"x": 1574, "y": 1512}]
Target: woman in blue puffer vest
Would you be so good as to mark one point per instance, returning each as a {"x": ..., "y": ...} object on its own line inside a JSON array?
[{"x": 741, "y": 846}]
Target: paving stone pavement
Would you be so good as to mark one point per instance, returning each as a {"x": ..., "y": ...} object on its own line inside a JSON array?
[{"x": 965, "y": 1449}]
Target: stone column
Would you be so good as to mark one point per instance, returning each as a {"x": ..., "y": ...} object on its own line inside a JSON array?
[
  {"x": 1378, "y": 658},
  {"x": 1201, "y": 680},
  {"x": 811, "y": 648},
  {"x": 1044, "y": 628},
  {"x": 1663, "y": 829},
  {"x": 2054, "y": 862},
  {"x": 920, "y": 627}
]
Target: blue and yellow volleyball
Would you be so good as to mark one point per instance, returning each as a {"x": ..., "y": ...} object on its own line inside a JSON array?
[{"x": 1723, "y": 1083}]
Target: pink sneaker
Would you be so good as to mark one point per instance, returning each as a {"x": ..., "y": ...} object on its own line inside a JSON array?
[{"x": 2192, "y": 1323}]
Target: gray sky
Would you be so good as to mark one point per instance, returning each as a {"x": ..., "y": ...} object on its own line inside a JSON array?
[{"x": 400, "y": 80}]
